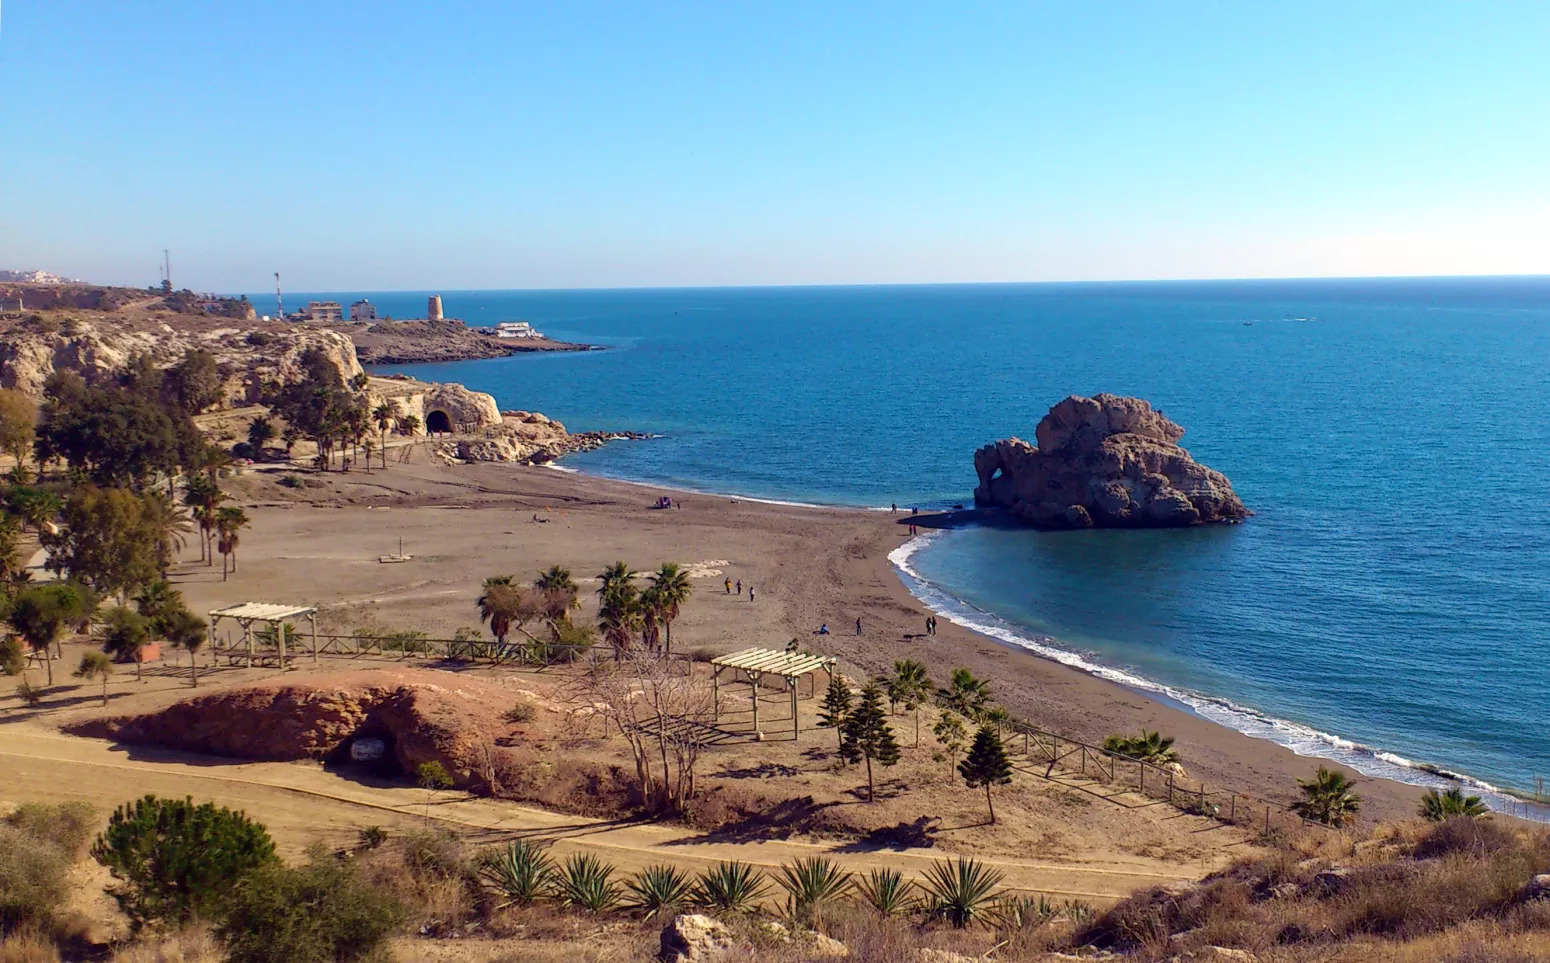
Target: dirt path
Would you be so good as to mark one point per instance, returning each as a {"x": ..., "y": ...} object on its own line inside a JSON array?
[{"x": 302, "y": 803}]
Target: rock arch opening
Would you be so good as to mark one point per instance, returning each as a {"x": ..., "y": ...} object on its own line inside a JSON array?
[{"x": 438, "y": 422}]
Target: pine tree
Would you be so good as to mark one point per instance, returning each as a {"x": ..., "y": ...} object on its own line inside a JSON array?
[
  {"x": 986, "y": 765},
  {"x": 836, "y": 707},
  {"x": 868, "y": 736}
]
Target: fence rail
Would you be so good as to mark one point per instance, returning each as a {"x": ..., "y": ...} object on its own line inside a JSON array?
[
  {"x": 405, "y": 646},
  {"x": 1162, "y": 783}
]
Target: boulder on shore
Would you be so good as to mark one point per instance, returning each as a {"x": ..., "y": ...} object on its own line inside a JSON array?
[{"x": 1104, "y": 462}]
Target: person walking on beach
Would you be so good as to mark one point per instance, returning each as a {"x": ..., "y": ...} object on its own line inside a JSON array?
[
  {"x": 893, "y": 509},
  {"x": 750, "y": 591},
  {"x": 739, "y": 586},
  {"x": 858, "y": 625},
  {"x": 729, "y": 586}
]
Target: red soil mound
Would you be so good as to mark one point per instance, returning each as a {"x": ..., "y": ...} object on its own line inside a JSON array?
[{"x": 421, "y": 714}]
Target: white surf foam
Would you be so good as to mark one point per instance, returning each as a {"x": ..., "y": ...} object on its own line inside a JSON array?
[{"x": 1302, "y": 740}]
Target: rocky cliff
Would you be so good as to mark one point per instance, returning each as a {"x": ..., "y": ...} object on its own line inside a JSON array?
[
  {"x": 1103, "y": 462},
  {"x": 98, "y": 348}
]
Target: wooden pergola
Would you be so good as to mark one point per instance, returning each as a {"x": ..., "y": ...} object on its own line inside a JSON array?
[
  {"x": 758, "y": 663},
  {"x": 246, "y": 613}
]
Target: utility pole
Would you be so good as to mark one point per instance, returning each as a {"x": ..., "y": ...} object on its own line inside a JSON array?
[
  {"x": 279, "y": 305},
  {"x": 166, "y": 276}
]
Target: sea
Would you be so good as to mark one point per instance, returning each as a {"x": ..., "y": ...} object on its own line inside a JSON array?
[{"x": 1387, "y": 606}]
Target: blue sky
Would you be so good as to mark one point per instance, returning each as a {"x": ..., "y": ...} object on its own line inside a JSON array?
[{"x": 399, "y": 145}]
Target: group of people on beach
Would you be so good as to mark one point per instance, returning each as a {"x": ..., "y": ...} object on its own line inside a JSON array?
[{"x": 739, "y": 592}]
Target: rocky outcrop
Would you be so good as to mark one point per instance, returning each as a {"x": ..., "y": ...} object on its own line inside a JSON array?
[
  {"x": 97, "y": 349},
  {"x": 527, "y": 438},
  {"x": 1103, "y": 462},
  {"x": 420, "y": 715},
  {"x": 410, "y": 342},
  {"x": 694, "y": 938}
]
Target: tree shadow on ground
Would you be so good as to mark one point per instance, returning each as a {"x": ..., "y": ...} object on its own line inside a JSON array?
[
  {"x": 920, "y": 834},
  {"x": 779, "y": 821}
]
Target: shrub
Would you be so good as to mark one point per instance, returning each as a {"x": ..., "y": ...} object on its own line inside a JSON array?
[
  {"x": 888, "y": 892},
  {"x": 520, "y": 712},
  {"x": 38, "y": 843},
  {"x": 13, "y": 658},
  {"x": 732, "y": 887},
  {"x": 372, "y": 837},
  {"x": 522, "y": 873},
  {"x": 175, "y": 860},
  {"x": 659, "y": 888},
  {"x": 960, "y": 890},
  {"x": 28, "y": 693},
  {"x": 587, "y": 882},
  {"x": 810, "y": 884},
  {"x": 435, "y": 854},
  {"x": 290, "y": 481},
  {"x": 1467, "y": 836},
  {"x": 319, "y": 912},
  {"x": 259, "y": 338}
]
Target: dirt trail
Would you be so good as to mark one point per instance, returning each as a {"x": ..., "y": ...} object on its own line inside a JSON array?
[{"x": 302, "y": 803}]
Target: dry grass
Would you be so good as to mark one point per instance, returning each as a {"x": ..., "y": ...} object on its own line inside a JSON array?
[
  {"x": 1406, "y": 887},
  {"x": 192, "y": 945}
]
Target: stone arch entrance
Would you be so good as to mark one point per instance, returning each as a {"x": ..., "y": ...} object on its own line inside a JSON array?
[{"x": 438, "y": 422}]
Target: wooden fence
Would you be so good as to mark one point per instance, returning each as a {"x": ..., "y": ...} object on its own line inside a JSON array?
[{"x": 1051, "y": 750}]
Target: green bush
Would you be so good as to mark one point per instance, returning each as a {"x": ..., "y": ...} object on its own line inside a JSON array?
[
  {"x": 13, "y": 657},
  {"x": 319, "y": 912},
  {"x": 38, "y": 844},
  {"x": 175, "y": 860},
  {"x": 519, "y": 712}
]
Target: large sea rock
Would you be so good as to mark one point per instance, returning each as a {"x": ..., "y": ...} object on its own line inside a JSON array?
[{"x": 1104, "y": 462}]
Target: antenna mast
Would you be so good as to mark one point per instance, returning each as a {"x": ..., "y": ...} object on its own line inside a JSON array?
[
  {"x": 279, "y": 305},
  {"x": 167, "y": 261}
]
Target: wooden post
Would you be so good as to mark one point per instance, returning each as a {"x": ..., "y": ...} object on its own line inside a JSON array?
[
  {"x": 247, "y": 634},
  {"x": 279, "y": 637},
  {"x": 1267, "y": 820},
  {"x": 1142, "y": 766},
  {"x": 715, "y": 693},
  {"x": 1025, "y": 747},
  {"x": 313, "y": 618},
  {"x": 1202, "y": 799},
  {"x": 791, "y": 683},
  {"x": 753, "y": 682},
  {"x": 1053, "y": 756},
  {"x": 1084, "y": 760},
  {"x": 1233, "y": 815}
]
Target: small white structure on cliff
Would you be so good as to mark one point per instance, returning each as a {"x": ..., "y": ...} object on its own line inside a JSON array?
[
  {"x": 363, "y": 310},
  {"x": 516, "y": 329}
]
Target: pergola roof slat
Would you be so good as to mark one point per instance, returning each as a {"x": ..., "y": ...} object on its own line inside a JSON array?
[
  {"x": 261, "y": 611},
  {"x": 775, "y": 662}
]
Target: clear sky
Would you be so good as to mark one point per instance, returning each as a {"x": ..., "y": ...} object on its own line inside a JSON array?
[{"x": 409, "y": 145}]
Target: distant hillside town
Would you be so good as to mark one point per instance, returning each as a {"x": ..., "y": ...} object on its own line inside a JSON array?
[{"x": 36, "y": 277}]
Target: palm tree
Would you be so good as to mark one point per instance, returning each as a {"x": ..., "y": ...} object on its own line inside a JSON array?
[
  {"x": 229, "y": 522},
  {"x": 670, "y": 583},
  {"x": 498, "y": 605},
  {"x": 564, "y": 594},
  {"x": 1438, "y": 806},
  {"x": 383, "y": 415},
  {"x": 1152, "y": 747},
  {"x": 965, "y": 694},
  {"x": 168, "y": 527},
  {"x": 910, "y": 685},
  {"x": 204, "y": 497},
  {"x": 408, "y": 424},
  {"x": 1328, "y": 799},
  {"x": 649, "y": 611},
  {"x": 616, "y": 575},
  {"x": 95, "y": 665}
]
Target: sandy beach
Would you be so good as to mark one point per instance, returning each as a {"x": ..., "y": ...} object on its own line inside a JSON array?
[{"x": 320, "y": 543}]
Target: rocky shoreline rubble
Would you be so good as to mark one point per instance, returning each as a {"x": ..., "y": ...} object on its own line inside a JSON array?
[{"x": 526, "y": 438}]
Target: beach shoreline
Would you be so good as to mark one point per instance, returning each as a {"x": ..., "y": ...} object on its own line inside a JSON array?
[{"x": 811, "y": 566}]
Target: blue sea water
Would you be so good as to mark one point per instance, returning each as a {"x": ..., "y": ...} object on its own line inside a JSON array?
[{"x": 1389, "y": 601}]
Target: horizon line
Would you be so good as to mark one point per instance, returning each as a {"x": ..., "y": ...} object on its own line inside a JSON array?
[{"x": 918, "y": 284}]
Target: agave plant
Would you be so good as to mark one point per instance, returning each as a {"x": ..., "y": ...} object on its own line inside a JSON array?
[
  {"x": 1077, "y": 913},
  {"x": 1327, "y": 798},
  {"x": 659, "y": 888},
  {"x": 1009, "y": 914},
  {"x": 1152, "y": 747},
  {"x": 734, "y": 887},
  {"x": 810, "y": 884},
  {"x": 586, "y": 881},
  {"x": 960, "y": 890},
  {"x": 1437, "y": 806},
  {"x": 522, "y": 873},
  {"x": 888, "y": 892}
]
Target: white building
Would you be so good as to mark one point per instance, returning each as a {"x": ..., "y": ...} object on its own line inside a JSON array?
[
  {"x": 516, "y": 329},
  {"x": 363, "y": 310}
]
